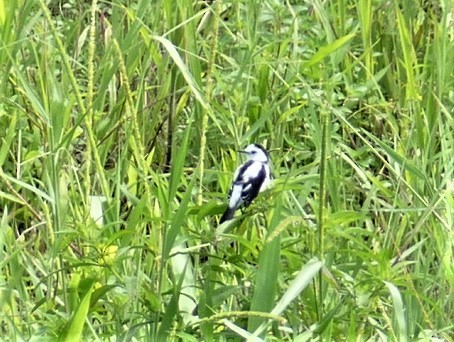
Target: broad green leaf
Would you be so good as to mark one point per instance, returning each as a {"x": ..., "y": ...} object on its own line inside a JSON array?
[{"x": 325, "y": 51}]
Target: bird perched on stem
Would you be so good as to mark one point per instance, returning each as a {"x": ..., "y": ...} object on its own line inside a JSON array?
[{"x": 250, "y": 178}]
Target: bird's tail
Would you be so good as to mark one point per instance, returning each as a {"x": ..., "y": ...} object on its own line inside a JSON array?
[{"x": 228, "y": 215}]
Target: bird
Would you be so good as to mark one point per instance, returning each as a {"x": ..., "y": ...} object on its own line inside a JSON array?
[{"x": 249, "y": 179}]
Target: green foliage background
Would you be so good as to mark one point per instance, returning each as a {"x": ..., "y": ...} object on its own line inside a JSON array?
[{"x": 120, "y": 124}]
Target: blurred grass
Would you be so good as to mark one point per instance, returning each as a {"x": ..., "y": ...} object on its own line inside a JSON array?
[{"x": 132, "y": 112}]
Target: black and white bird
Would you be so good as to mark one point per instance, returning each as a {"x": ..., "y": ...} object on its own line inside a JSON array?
[{"x": 250, "y": 178}]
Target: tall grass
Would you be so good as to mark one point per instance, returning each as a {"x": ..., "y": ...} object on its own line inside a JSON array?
[{"x": 121, "y": 122}]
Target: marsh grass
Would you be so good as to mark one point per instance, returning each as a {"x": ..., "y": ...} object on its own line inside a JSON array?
[{"x": 121, "y": 123}]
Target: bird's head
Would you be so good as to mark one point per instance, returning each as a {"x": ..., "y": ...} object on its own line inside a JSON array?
[{"x": 256, "y": 152}]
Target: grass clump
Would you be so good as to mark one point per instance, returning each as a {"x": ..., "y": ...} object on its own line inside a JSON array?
[{"x": 121, "y": 124}]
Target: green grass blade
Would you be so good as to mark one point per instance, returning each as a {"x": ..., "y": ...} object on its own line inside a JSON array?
[
  {"x": 327, "y": 50},
  {"x": 304, "y": 277},
  {"x": 77, "y": 322},
  {"x": 267, "y": 274},
  {"x": 195, "y": 89},
  {"x": 399, "y": 312}
]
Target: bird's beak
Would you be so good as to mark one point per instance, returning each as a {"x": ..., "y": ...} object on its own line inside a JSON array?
[{"x": 242, "y": 151}]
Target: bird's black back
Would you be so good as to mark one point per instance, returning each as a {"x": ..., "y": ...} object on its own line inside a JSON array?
[{"x": 251, "y": 186}]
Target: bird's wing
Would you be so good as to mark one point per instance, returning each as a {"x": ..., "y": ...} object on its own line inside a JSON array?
[
  {"x": 252, "y": 179},
  {"x": 238, "y": 185}
]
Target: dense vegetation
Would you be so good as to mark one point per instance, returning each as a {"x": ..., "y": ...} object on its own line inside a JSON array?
[{"x": 120, "y": 125}]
